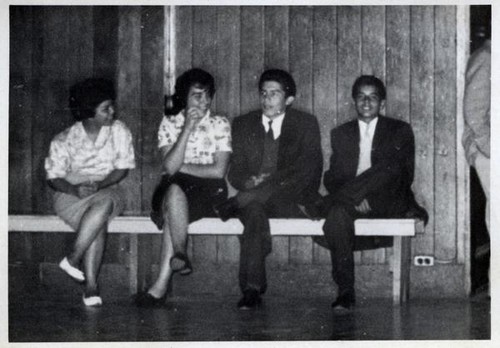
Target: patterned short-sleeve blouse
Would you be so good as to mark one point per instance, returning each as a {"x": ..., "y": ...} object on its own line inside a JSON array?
[
  {"x": 212, "y": 134},
  {"x": 73, "y": 154}
]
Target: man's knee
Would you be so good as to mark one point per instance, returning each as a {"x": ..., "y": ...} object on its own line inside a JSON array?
[
  {"x": 338, "y": 221},
  {"x": 253, "y": 210},
  {"x": 339, "y": 212}
]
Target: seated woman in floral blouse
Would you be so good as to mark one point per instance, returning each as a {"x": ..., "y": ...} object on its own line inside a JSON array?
[
  {"x": 195, "y": 147},
  {"x": 85, "y": 163}
]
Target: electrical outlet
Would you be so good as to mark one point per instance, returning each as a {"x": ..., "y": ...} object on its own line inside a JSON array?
[{"x": 423, "y": 260}]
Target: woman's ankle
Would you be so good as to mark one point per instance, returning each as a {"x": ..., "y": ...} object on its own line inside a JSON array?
[{"x": 91, "y": 290}]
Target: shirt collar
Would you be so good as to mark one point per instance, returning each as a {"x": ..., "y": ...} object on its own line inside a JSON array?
[
  {"x": 370, "y": 125},
  {"x": 277, "y": 122}
]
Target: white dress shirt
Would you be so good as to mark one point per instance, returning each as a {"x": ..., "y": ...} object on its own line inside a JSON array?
[
  {"x": 276, "y": 125},
  {"x": 76, "y": 158},
  {"x": 366, "y": 133},
  {"x": 212, "y": 134}
]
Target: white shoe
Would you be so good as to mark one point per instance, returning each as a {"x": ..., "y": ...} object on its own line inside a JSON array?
[
  {"x": 73, "y": 272},
  {"x": 92, "y": 301}
]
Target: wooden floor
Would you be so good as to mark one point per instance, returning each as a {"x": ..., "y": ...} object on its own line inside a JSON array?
[{"x": 38, "y": 317}]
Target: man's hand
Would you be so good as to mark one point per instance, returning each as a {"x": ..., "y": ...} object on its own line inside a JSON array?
[
  {"x": 256, "y": 180},
  {"x": 363, "y": 207}
]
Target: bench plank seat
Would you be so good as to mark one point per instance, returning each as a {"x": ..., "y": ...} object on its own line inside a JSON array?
[
  {"x": 279, "y": 226},
  {"x": 401, "y": 229}
]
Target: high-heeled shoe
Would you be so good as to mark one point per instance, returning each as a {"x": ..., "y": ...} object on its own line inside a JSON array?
[
  {"x": 180, "y": 264},
  {"x": 146, "y": 300}
]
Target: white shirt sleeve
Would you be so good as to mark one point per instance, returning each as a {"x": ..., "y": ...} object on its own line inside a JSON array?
[
  {"x": 57, "y": 164},
  {"x": 125, "y": 156},
  {"x": 167, "y": 133},
  {"x": 222, "y": 130}
]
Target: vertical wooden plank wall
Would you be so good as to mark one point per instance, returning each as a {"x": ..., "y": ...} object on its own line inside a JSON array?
[
  {"x": 20, "y": 110},
  {"x": 21, "y": 107},
  {"x": 445, "y": 156},
  {"x": 251, "y": 55},
  {"x": 422, "y": 115},
  {"x": 324, "y": 90},
  {"x": 412, "y": 48}
]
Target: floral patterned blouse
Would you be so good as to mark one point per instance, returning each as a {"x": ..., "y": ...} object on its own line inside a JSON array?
[
  {"x": 213, "y": 134},
  {"x": 75, "y": 157}
]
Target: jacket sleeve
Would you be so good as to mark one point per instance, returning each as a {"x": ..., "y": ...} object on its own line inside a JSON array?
[
  {"x": 396, "y": 167},
  {"x": 331, "y": 178},
  {"x": 238, "y": 171},
  {"x": 303, "y": 176},
  {"x": 477, "y": 100}
]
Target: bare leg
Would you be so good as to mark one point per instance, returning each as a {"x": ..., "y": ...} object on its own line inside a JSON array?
[
  {"x": 175, "y": 211},
  {"x": 92, "y": 262},
  {"x": 93, "y": 222}
]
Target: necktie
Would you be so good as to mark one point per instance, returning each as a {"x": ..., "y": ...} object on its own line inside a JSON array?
[{"x": 270, "y": 133}]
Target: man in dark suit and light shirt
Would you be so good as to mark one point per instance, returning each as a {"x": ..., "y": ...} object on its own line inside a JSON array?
[
  {"x": 370, "y": 176},
  {"x": 276, "y": 166}
]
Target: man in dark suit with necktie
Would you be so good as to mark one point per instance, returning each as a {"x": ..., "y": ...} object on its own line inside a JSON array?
[
  {"x": 276, "y": 166},
  {"x": 370, "y": 176}
]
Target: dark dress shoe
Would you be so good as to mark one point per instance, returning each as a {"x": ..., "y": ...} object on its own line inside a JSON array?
[
  {"x": 227, "y": 209},
  {"x": 146, "y": 300},
  {"x": 250, "y": 300},
  {"x": 157, "y": 218},
  {"x": 344, "y": 303},
  {"x": 417, "y": 212},
  {"x": 180, "y": 264}
]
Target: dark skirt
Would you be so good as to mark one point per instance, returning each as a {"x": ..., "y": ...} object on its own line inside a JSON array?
[{"x": 202, "y": 194}]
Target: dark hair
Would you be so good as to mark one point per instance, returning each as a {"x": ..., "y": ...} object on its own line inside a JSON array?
[
  {"x": 368, "y": 80},
  {"x": 282, "y": 77},
  {"x": 193, "y": 77},
  {"x": 85, "y": 96}
]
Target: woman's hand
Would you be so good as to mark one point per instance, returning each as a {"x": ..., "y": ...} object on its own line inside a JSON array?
[
  {"x": 86, "y": 189},
  {"x": 193, "y": 117}
]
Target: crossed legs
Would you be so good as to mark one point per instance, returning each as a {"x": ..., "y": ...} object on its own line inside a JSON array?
[
  {"x": 174, "y": 238},
  {"x": 90, "y": 242}
]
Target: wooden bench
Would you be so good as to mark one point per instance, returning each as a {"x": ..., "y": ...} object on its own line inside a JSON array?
[{"x": 401, "y": 229}]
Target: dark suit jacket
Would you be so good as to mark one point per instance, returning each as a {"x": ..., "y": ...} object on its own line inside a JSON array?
[
  {"x": 300, "y": 161},
  {"x": 387, "y": 184}
]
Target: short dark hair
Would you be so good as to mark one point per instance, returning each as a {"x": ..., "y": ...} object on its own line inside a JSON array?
[
  {"x": 368, "y": 80},
  {"x": 192, "y": 77},
  {"x": 85, "y": 96},
  {"x": 282, "y": 77}
]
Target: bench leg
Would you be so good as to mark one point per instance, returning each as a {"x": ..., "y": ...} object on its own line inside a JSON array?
[
  {"x": 401, "y": 270},
  {"x": 133, "y": 263},
  {"x": 139, "y": 262}
]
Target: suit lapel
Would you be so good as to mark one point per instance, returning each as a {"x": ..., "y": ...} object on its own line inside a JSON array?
[
  {"x": 378, "y": 138},
  {"x": 257, "y": 139},
  {"x": 286, "y": 137},
  {"x": 353, "y": 134}
]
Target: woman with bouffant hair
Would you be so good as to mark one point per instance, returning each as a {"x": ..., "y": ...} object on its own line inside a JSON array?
[
  {"x": 195, "y": 146},
  {"x": 84, "y": 166}
]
